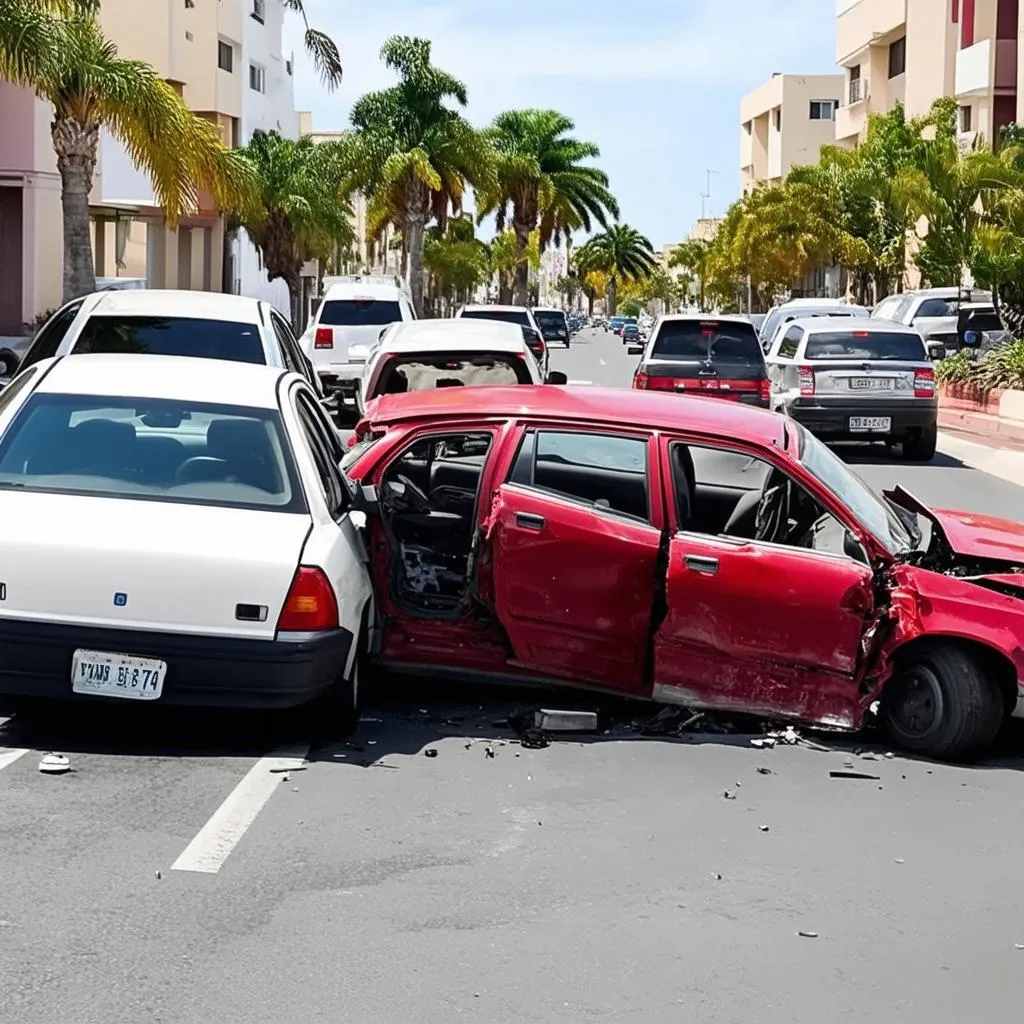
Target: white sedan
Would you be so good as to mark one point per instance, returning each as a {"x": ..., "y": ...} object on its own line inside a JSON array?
[{"x": 177, "y": 530}]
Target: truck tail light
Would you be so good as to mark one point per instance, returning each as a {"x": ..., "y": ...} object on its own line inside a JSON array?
[
  {"x": 766, "y": 390},
  {"x": 924, "y": 382},
  {"x": 324, "y": 338},
  {"x": 806, "y": 380},
  {"x": 310, "y": 606},
  {"x": 641, "y": 381}
]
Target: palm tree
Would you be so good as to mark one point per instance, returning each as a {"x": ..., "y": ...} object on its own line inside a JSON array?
[
  {"x": 320, "y": 46},
  {"x": 543, "y": 182},
  {"x": 622, "y": 253},
  {"x": 26, "y": 37},
  {"x": 302, "y": 210},
  {"x": 414, "y": 154}
]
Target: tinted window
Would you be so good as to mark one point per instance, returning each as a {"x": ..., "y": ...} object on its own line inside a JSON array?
[
  {"x": 721, "y": 341},
  {"x": 48, "y": 340},
  {"x": 887, "y": 307},
  {"x": 320, "y": 447},
  {"x": 504, "y": 315},
  {"x": 172, "y": 336},
  {"x": 790, "y": 343},
  {"x": 936, "y": 307},
  {"x": 599, "y": 469},
  {"x": 423, "y": 372},
  {"x": 359, "y": 313},
  {"x": 982, "y": 320},
  {"x": 865, "y": 345},
  {"x": 550, "y": 321},
  {"x": 150, "y": 449},
  {"x": 15, "y": 388},
  {"x": 770, "y": 325}
]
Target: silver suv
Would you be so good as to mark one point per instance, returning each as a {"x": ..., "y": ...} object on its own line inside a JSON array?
[{"x": 857, "y": 380}]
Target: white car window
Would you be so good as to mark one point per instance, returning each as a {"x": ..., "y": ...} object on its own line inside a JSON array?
[
  {"x": 161, "y": 450},
  {"x": 172, "y": 336}
]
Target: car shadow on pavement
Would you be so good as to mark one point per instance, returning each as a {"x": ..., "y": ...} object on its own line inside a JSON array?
[{"x": 879, "y": 454}]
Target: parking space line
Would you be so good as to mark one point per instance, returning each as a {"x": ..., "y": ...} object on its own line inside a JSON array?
[
  {"x": 581, "y": 382},
  {"x": 8, "y": 755},
  {"x": 214, "y": 842}
]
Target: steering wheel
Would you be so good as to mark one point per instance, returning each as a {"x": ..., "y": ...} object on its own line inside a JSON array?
[
  {"x": 201, "y": 469},
  {"x": 773, "y": 508},
  {"x": 419, "y": 499}
]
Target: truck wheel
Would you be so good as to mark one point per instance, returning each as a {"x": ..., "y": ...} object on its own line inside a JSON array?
[
  {"x": 940, "y": 703},
  {"x": 922, "y": 447},
  {"x": 9, "y": 362}
]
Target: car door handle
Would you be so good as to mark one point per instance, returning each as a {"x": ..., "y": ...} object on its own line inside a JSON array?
[
  {"x": 699, "y": 563},
  {"x": 530, "y": 521}
]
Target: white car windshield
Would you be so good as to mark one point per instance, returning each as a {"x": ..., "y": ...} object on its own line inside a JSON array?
[
  {"x": 872, "y": 512},
  {"x": 157, "y": 450}
]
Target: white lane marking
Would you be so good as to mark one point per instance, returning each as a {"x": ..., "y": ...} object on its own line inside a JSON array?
[
  {"x": 581, "y": 382},
  {"x": 8, "y": 755},
  {"x": 1004, "y": 463},
  {"x": 220, "y": 835}
]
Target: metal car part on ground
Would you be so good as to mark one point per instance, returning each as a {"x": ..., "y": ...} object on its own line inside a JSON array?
[{"x": 697, "y": 553}]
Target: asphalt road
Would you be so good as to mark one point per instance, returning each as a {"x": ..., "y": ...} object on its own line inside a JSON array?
[{"x": 603, "y": 879}]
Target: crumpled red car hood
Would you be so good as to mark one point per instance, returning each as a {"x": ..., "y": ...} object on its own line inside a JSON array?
[{"x": 968, "y": 533}]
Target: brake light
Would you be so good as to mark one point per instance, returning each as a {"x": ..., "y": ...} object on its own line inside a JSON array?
[
  {"x": 640, "y": 380},
  {"x": 924, "y": 382},
  {"x": 310, "y": 606},
  {"x": 806, "y": 380},
  {"x": 766, "y": 390},
  {"x": 324, "y": 338},
  {"x": 861, "y": 334}
]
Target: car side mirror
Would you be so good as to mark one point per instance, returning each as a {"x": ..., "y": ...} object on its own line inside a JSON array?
[
  {"x": 936, "y": 350},
  {"x": 365, "y": 498},
  {"x": 557, "y": 377},
  {"x": 635, "y": 350},
  {"x": 972, "y": 339}
]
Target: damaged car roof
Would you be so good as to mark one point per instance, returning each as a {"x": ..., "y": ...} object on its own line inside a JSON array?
[{"x": 669, "y": 412}]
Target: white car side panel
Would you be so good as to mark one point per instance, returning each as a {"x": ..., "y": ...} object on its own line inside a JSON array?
[{"x": 181, "y": 568}]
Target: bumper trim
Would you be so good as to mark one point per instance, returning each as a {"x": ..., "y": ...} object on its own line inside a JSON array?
[
  {"x": 833, "y": 419},
  {"x": 202, "y": 671}
]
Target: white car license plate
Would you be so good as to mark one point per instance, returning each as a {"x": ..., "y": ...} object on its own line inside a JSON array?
[
  {"x": 103, "y": 674},
  {"x": 870, "y": 423},
  {"x": 872, "y": 383}
]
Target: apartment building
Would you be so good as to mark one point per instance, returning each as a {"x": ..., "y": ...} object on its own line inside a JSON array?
[
  {"x": 785, "y": 123},
  {"x": 913, "y": 51}
]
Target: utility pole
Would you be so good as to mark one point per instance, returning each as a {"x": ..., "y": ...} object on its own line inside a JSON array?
[{"x": 706, "y": 208}]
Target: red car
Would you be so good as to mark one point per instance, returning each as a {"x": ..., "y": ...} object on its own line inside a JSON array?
[{"x": 706, "y": 554}]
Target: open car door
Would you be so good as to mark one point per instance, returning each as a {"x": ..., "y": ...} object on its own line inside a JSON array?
[{"x": 573, "y": 556}]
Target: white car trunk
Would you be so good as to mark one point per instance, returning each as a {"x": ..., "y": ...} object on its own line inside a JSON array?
[
  {"x": 853, "y": 379},
  {"x": 350, "y": 344},
  {"x": 149, "y": 565}
]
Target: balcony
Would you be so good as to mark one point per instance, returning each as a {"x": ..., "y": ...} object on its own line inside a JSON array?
[
  {"x": 775, "y": 155},
  {"x": 974, "y": 69},
  {"x": 857, "y": 91},
  {"x": 746, "y": 147}
]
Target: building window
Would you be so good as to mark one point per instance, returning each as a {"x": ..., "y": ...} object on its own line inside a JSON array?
[
  {"x": 823, "y": 110},
  {"x": 965, "y": 119},
  {"x": 289, "y": 66},
  {"x": 898, "y": 57},
  {"x": 225, "y": 56},
  {"x": 856, "y": 90},
  {"x": 259, "y": 10},
  {"x": 777, "y": 119},
  {"x": 257, "y": 78}
]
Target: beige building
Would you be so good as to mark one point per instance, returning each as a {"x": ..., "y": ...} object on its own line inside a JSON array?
[
  {"x": 785, "y": 123},
  {"x": 913, "y": 51}
]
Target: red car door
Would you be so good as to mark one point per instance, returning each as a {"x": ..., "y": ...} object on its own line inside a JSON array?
[
  {"x": 573, "y": 544},
  {"x": 761, "y": 627}
]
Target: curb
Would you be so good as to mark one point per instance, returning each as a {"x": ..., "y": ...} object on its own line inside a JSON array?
[
  {"x": 981, "y": 423},
  {"x": 994, "y": 414}
]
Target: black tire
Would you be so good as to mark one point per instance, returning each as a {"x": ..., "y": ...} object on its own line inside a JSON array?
[
  {"x": 335, "y": 713},
  {"x": 922, "y": 447},
  {"x": 9, "y": 362},
  {"x": 940, "y": 703}
]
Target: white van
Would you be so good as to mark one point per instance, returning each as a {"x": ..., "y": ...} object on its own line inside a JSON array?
[{"x": 353, "y": 314}]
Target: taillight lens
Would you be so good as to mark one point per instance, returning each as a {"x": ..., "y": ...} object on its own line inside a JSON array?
[
  {"x": 806, "y": 380},
  {"x": 310, "y": 606},
  {"x": 641, "y": 381},
  {"x": 324, "y": 338},
  {"x": 766, "y": 390},
  {"x": 924, "y": 382}
]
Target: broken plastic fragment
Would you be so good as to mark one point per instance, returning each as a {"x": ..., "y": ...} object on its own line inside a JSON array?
[
  {"x": 430, "y": 752},
  {"x": 489, "y": 751},
  {"x": 763, "y": 744},
  {"x": 729, "y": 796},
  {"x": 852, "y": 775},
  {"x": 808, "y": 935},
  {"x": 54, "y": 764},
  {"x": 764, "y": 771},
  {"x": 763, "y": 828},
  {"x": 552, "y": 720}
]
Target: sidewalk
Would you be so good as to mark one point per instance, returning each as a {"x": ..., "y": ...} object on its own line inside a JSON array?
[{"x": 1005, "y": 462}]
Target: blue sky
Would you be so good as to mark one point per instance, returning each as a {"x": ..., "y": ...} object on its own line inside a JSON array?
[{"x": 655, "y": 83}]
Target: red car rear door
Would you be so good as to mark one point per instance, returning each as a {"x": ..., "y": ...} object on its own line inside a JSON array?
[
  {"x": 758, "y": 627},
  {"x": 573, "y": 548}
]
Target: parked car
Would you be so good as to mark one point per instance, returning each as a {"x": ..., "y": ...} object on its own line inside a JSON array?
[
  {"x": 695, "y": 553},
  {"x": 931, "y": 311},
  {"x": 523, "y": 318},
  {"x": 183, "y": 536},
  {"x": 775, "y": 323},
  {"x": 859, "y": 379},
  {"x": 350, "y": 319},
  {"x": 424, "y": 354},
  {"x": 706, "y": 356},
  {"x": 166, "y": 322},
  {"x": 553, "y": 325}
]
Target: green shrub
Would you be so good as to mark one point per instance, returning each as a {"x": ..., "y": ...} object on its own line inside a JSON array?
[{"x": 1002, "y": 368}]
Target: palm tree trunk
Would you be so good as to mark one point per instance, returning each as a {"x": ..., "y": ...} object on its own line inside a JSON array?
[
  {"x": 521, "y": 286},
  {"x": 76, "y": 145},
  {"x": 504, "y": 289},
  {"x": 413, "y": 233},
  {"x": 613, "y": 295}
]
